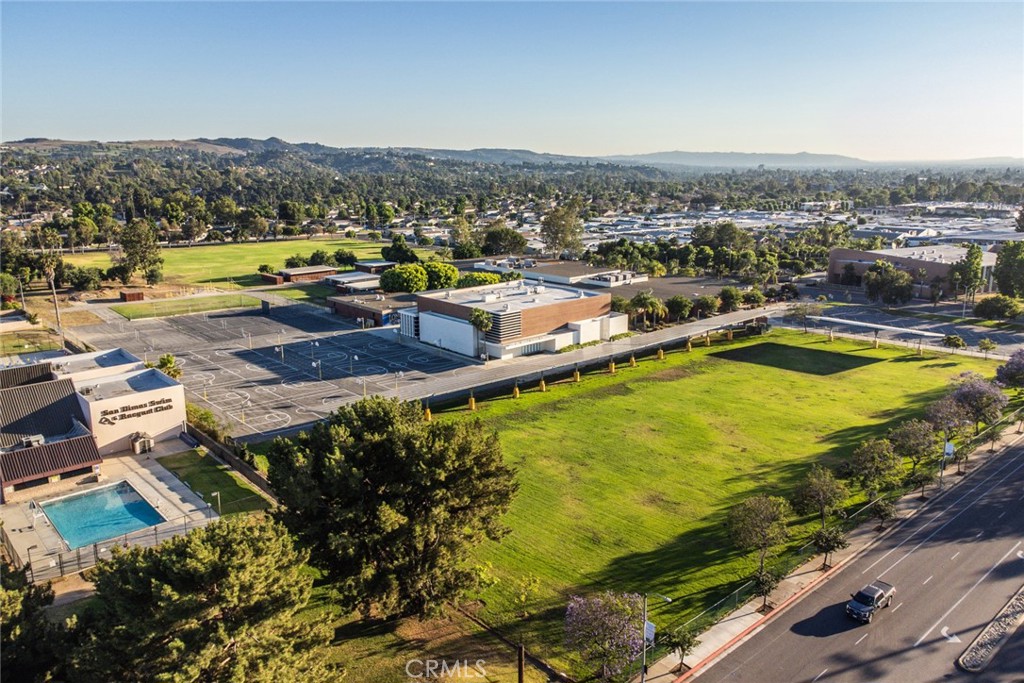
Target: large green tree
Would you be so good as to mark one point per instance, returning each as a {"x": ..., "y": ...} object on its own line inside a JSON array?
[
  {"x": 399, "y": 251},
  {"x": 876, "y": 466},
  {"x": 1009, "y": 269},
  {"x": 561, "y": 230},
  {"x": 440, "y": 275},
  {"x": 391, "y": 505},
  {"x": 216, "y": 604},
  {"x": 821, "y": 493},
  {"x": 408, "y": 277},
  {"x": 759, "y": 523},
  {"x": 886, "y": 283},
  {"x": 139, "y": 248},
  {"x": 501, "y": 239},
  {"x": 30, "y": 643}
]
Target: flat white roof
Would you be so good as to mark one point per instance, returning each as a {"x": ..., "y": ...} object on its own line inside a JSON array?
[
  {"x": 517, "y": 295},
  {"x": 80, "y": 362},
  {"x": 124, "y": 384},
  {"x": 943, "y": 253}
]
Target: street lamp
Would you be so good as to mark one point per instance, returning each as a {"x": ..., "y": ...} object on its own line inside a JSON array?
[
  {"x": 280, "y": 349},
  {"x": 217, "y": 493},
  {"x": 398, "y": 376},
  {"x": 351, "y": 358},
  {"x": 31, "y": 572},
  {"x": 312, "y": 346},
  {"x": 643, "y": 667},
  {"x": 319, "y": 371}
]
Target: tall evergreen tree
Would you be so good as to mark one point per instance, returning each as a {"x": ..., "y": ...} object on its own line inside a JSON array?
[
  {"x": 217, "y": 604},
  {"x": 390, "y": 505}
]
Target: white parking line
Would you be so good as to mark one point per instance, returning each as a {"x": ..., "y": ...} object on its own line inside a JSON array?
[
  {"x": 955, "y": 555},
  {"x": 896, "y": 608},
  {"x": 819, "y": 675},
  {"x": 1001, "y": 514},
  {"x": 964, "y": 596},
  {"x": 927, "y": 580},
  {"x": 860, "y": 639}
]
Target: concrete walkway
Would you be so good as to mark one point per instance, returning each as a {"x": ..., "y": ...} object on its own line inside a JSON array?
[{"x": 743, "y": 622}]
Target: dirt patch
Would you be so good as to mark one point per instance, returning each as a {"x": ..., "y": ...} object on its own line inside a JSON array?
[{"x": 678, "y": 372}]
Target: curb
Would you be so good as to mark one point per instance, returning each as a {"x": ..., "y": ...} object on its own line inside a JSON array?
[
  {"x": 762, "y": 621},
  {"x": 978, "y": 644}
]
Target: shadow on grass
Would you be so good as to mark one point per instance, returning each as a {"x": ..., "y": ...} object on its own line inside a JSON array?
[{"x": 786, "y": 357}]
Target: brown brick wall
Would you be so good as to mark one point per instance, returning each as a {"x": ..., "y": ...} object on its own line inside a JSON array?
[
  {"x": 547, "y": 318},
  {"x": 443, "y": 307}
]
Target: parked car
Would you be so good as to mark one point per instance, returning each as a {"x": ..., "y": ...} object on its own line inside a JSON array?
[{"x": 869, "y": 599}]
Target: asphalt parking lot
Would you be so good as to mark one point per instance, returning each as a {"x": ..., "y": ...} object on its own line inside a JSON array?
[{"x": 265, "y": 374}]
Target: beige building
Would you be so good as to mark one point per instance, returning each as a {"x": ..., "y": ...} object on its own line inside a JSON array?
[
  {"x": 934, "y": 260},
  {"x": 133, "y": 410}
]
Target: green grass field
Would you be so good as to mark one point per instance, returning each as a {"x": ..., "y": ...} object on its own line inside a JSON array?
[
  {"x": 625, "y": 480},
  {"x": 197, "y": 304},
  {"x": 231, "y": 265},
  {"x": 308, "y": 294},
  {"x": 205, "y": 475},
  {"x": 27, "y": 341}
]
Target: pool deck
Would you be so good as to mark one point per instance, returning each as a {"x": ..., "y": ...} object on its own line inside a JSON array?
[{"x": 180, "y": 506}]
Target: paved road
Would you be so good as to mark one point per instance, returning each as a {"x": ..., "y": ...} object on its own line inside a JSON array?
[
  {"x": 1008, "y": 340},
  {"x": 954, "y": 566}
]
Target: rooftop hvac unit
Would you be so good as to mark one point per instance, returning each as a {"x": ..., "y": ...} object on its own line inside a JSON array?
[
  {"x": 142, "y": 443},
  {"x": 34, "y": 440},
  {"x": 87, "y": 391}
]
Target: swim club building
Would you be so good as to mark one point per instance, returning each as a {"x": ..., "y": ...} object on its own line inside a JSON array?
[
  {"x": 58, "y": 418},
  {"x": 526, "y": 318}
]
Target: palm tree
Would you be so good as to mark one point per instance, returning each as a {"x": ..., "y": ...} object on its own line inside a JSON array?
[
  {"x": 646, "y": 302},
  {"x": 482, "y": 321},
  {"x": 168, "y": 365}
]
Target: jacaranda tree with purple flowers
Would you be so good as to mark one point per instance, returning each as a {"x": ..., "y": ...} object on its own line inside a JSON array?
[
  {"x": 606, "y": 629},
  {"x": 1011, "y": 374},
  {"x": 983, "y": 400}
]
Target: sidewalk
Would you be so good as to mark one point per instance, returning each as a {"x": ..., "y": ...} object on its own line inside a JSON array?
[{"x": 741, "y": 623}]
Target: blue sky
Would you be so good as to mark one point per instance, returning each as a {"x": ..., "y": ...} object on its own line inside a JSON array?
[{"x": 878, "y": 81}]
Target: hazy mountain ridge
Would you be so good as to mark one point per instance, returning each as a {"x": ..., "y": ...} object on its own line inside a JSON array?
[{"x": 674, "y": 160}]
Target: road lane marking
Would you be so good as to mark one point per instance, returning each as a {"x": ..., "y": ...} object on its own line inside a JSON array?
[
  {"x": 948, "y": 521},
  {"x": 1001, "y": 514},
  {"x": 952, "y": 638},
  {"x": 969, "y": 591},
  {"x": 819, "y": 675},
  {"x": 861, "y": 638},
  {"x": 896, "y": 608},
  {"x": 927, "y": 580},
  {"x": 955, "y": 555},
  {"x": 979, "y": 533}
]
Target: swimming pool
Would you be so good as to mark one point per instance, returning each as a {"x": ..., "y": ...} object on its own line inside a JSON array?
[{"x": 101, "y": 514}]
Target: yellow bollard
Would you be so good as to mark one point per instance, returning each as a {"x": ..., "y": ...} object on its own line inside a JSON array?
[
  {"x": 543, "y": 386},
  {"x": 632, "y": 361},
  {"x": 876, "y": 342},
  {"x": 576, "y": 376},
  {"x": 427, "y": 416},
  {"x": 707, "y": 339},
  {"x": 689, "y": 345},
  {"x": 661, "y": 354},
  {"x": 515, "y": 391},
  {"x": 611, "y": 367},
  {"x": 472, "y": 403},
  {"x": 728, "y": 334},
  {"x": 831, "y": 336}
]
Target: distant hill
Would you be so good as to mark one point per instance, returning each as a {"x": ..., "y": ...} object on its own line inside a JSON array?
[
  {"x": 680, "y": 162},
  {"x": 742, "y": 160}
]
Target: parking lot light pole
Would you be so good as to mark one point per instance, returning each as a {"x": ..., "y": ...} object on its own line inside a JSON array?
[
  {"x": 312, "y": 347},
  {"x": 217, "y": 493},
  {"x": 643, "y": 636},
  {"x": 280, "y": 349},
  {"x": 350, "y": 359},
  {"x": 319, "y": 370}
]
